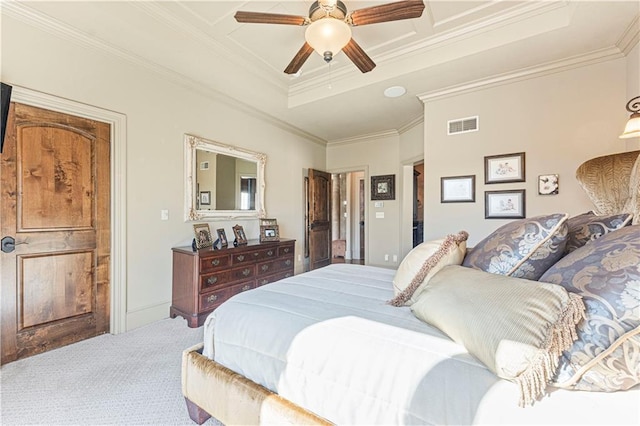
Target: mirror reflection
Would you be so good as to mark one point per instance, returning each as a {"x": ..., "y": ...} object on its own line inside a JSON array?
[{"x": 222, "y": 181}]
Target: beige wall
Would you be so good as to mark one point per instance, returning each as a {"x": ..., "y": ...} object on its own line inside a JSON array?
[
  {"x": 633, "y": 89},
  {"x": 558, "y": 120},
  {"x": 158, "y": 113}
]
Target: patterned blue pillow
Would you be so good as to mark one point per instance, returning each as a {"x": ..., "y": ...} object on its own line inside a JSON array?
[
  {"x": 606, "y": 273},
  {"x": 587, "y": 227},
  {"x": 523, "y": 248}
]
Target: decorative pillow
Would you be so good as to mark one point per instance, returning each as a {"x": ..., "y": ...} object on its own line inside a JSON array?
[
  {"x": 517, "y": 328},
  {"x": 422, "y": 262},
  {"x": 606, "y": 273},
  {"x": 523, "y": 248},
  {"x": 587, "y": 227}
]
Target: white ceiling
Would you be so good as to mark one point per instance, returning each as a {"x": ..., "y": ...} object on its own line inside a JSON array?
[{"x": 453, "y": 43}]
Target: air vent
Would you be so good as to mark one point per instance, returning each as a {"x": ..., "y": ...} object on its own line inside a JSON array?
[{"x": 462, "y": 125}]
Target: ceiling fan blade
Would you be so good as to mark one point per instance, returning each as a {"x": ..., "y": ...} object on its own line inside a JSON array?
[
  {"x": 269, "y": 18},
  {"x": 358, "y": 57},
  {"x": 387, "y": 12},
  {"x": 298, "y": 60}
]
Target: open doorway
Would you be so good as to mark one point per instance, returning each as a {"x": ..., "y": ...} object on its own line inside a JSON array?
[
  {"x": 348, "y": 217},
  {"x": 418, "y": 203}
]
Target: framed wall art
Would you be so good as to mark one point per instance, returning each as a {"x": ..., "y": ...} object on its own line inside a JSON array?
[
  {"x": 504, "y": 168},
  {"x": 508, "y": 204},
  {"x": 203, "y": 235},
  {"x": 548, "y": 185},
  {"x": 205, "y": 198},
  {"x": 383, "y": 187},
  {"x": 458, "y": 189},
  {"x": 238, "y": 232}
]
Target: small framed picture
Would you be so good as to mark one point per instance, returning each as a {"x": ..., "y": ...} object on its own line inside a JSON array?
[
  {"x": 268, "y": 222},
  {"x": 222, "y": 236},
  {"x": 383, "y": 187},
  {"x": 548, "y": 185},
  {"x": 504, "y": 204},
  {"x": 504, "y": 168},
  {"x": 203, "y": 235},
  {"x": 269, "y": 233},
  {"x": 238, "y": 232},
  {"x": 458, "y": 189},
  {"x": 205, "y": 198}
]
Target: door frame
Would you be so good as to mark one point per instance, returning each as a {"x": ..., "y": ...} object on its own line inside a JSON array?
[
  {"x": 406, "y": 205},
  {"x": 367, "y": 195},
  {"x": 118, "y": 187}
]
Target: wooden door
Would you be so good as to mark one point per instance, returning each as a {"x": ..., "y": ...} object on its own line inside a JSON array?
[
  {"x": 55, "y": 195},
  {"x": 319, "y": 219},
  {"x": 361, "y": 221}
]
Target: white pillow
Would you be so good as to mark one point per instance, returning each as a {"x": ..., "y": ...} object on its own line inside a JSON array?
[{"x": 423, "y": 262}]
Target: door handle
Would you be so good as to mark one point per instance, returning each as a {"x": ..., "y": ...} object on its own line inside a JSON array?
[{"x": 9, "y": 244}]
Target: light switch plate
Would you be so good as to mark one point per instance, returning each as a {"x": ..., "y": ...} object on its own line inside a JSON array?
[
  {"x": 379, "y": 204},
  {"x": 164, "y": 214},
  {"x": 379, "y": 215}
]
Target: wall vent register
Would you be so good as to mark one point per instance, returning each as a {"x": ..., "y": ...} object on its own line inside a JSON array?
[{"x": 462, "y": 125}]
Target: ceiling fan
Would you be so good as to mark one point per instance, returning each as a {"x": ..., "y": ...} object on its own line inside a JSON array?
[{"x": 329, "y": 28}]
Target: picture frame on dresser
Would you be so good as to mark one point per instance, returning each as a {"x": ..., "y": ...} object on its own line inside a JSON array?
[
  {"x": 222, "y": 236},
  {"x": 202, "y": 235},
  {"x": 238, "y": 232},
  {"x": 269, "y": 233}
]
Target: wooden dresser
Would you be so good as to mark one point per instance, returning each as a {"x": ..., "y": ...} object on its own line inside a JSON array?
[{"x": 204, "y": 279}]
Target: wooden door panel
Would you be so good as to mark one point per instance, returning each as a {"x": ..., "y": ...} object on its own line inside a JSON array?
[
  {"x": 55, "y": 178},
  {"x": 319, "y": 219},
  {"x": 55, "y": 287}
]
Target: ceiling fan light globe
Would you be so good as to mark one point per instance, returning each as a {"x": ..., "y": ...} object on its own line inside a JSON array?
[
  {"x": 632, "y": 129},
  {"x": 328, "y": 35}
]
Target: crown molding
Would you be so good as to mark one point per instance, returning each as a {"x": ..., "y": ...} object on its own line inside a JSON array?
[
  {"x": 630, "y": 37},
  {"x": 51, "y": 26},
  {"x": 601, "y": 55},
  {"x": 363, "y": 138},
  {"x": 411, "y": 124}
]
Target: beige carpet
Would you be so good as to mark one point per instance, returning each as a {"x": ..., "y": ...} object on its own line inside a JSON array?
[{"x": 129, "y": 379}]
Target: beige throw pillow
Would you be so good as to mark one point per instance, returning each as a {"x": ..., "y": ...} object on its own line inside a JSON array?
[
  {"x": 516, "y": 327},
  {"x": 422, "y": 262}
]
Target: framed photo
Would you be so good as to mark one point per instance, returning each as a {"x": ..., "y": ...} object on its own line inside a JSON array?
[
  {"x": 504, "y": 168},
  {"x": 203, "y": 235},
  {"x": 268, "y": 222},
  {"x": 205, "y": 198},
  {"x": 269, "y": 233},
  {"x": 222, "y": 236},
  {"x": 238, "y": 232},
  {"x": 504, "y": 204},
  {"x": 548, "y": 185},
  {"x": 383, "y": 187},
  {"x": 458, "y": 189}
]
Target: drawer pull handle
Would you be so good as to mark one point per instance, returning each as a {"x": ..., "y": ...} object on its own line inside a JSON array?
[
  {"x": 246, "y": 272},
  {"x": 240, "y": 258},
  {"x": 286, "y": 250},
  {"x": 246, "y": 287},
  {"x": 212, "y": 280},
  {"x": 212, "y": 298},
  {"x": 256, "y": 254},
  {"x": 288, "y": 275},
  {"x": 288, "y": 262},
  {"x": 270, "y": 253},
  {"x": 263, "y": 282},
  {"x": 265, "y": 267},
  {"x": 215, "y": 262}
]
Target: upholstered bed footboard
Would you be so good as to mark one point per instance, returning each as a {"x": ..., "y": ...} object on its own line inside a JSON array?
[{"x": 213, "y": 390}]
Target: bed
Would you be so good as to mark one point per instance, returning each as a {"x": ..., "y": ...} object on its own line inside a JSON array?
[{"x": 326, "y": 347}]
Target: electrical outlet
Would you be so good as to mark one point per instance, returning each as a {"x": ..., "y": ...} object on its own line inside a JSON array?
[
  {"x": 164, "y": 214},
  {"x": 386, "y": 257}
]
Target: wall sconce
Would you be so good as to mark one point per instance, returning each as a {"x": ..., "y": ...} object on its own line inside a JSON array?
[{"x": 632, "y": 129}]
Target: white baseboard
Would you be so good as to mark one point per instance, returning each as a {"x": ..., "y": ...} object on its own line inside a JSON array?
[{"x": 147, "y": 315}]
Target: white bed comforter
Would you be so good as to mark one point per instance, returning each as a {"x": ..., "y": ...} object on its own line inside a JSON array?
[{"x": 327, "y": 341}]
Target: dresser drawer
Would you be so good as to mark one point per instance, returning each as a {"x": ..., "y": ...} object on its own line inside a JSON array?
[
  {"x": 274, "y": 277},
  {"x": 214, "y": 298},
  {"x": 210, "y": 281},
  {"x": 214, "y": 263},
  {"x": 266, "y": 268},
  {"x": 285, "y": 250}
]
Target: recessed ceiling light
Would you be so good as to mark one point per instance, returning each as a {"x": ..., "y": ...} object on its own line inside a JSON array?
[{"x": 394, "y": 91}]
